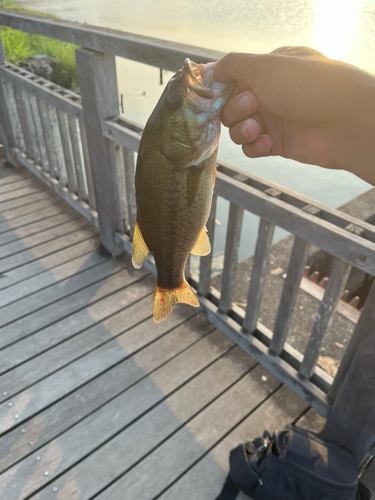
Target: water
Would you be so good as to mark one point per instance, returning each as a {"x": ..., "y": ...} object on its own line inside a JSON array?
[{"x": 343, "y": 30}]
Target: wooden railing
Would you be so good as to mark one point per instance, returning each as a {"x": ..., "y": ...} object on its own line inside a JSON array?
[{"x": 84, "y": 151}]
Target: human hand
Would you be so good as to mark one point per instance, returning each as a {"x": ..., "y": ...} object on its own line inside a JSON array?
[{"x": 299, "y": 104}]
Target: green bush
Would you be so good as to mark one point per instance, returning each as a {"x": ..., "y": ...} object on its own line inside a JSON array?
[{"x": 19, "y": 45}]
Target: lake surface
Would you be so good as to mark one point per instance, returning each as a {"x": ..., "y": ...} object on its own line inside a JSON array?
[{"x": 340, "y": 29}]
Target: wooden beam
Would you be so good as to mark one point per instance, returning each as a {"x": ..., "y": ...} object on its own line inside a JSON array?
[
  {"x": 205, "y": 267},
  {"x": 98, "y": 83}
]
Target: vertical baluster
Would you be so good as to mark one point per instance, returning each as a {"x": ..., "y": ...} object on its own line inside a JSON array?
[
  {"x": 187, "y": 267},
  {"x": 39, "y": 132},
  {"x": 67, "y": 150},
  {"x": 48, "y": 138},
  {"x": 78, "y": 158},
  {"x": 129, "y": 169},
  {"x": 27, "y": 122},
  {"x": 334, "y": 290},
  {"x": 119, "y": 179},
  {"x": 87, "y": 164},
  {"x": 258, "y": 273},
  {"x": 60, "y": 172},
  {"x": 289, "y": 295},
  {"x": 232, "y": 246},
  {"x": 8, "y": 133},
  {"x": 206, "y": 262},
  {"x": 15, "y": 119},
  {"x": 98, "y": 83}
]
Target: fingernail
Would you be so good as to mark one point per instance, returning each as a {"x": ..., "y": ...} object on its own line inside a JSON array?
[
  {"x": 244, "y": 131},
  {"x": 245, "y": 103},
  {"x": 259, "y": 144},
  {"x": 208, "y": 67}
]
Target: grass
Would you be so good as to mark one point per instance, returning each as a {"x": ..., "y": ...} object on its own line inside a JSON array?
[{"x": 18, "y": 46}]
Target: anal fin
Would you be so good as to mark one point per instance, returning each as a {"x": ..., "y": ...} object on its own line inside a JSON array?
[
  {"x": 165, "y": 299},
  {"x": 203, "y": 245},
  {"x": 140, "y": 249}
]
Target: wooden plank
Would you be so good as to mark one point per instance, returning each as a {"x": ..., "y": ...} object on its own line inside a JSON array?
[
  {"x": 14, "y": 175},
  {"x": 64, "y": 250},
  {"x": 14, "y": 116},
  {"x": 59, "y": 163},
  {"x": 39, "y": 300},
  {"x": 43, "y": 158},
  {"x": 20, "y": 193},
  {"x": 26, "y": 120},
  {"x": 64, "y": 223},
  {"x": 206, "y": 262},
  {"x": 353, "y": 346},
  {"x": 51, "y": 164},
  {"x": 67, "y": 150},
  {"x": 289, "y": 294},
  {"x": 28, "y": 217},
  {"x": 63, "y": 241},
  {"x": 200, "y": 434},
  {"x": 55, "y": 217},
  {"x": 78, "y": 158},
  {"x": 87, "y": 163},
  {"x": 279, "y": 367},
  {"x": 7, "y": 129},
  {"x": 258, "y": 273},
  {"x": 26, "y": 201},
  {"x": 22, "y": 183},
  {"x": 232, "y": 246},
  {"x": 175, "y": 409},
  {"x": 80, "y": 206},
  {"x": 351, "y": 421},
  {"x": 158, "y": 53},
  {"x": 115, "y": 382},
  {"x": 53, "y": 94},
  {"x": 129, "y": 170},
  {"x": 117, "y": 161},
  {"x": 33, "y": 332},
  {"x": 334, "y": 290},
  {"x": 98, "y": 84},
  {"x": 206, "y": 478},
  {"x": 122, "y": 135},
  {"x": 76, "y": 374}
]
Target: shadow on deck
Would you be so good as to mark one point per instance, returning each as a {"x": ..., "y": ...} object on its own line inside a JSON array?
[{"x": 95, "y": 399}]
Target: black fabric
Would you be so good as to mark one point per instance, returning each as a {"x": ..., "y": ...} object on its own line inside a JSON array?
[{"x": 293, "y": 465}]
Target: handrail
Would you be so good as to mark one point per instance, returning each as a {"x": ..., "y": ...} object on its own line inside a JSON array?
[{"x": 143, "y": 49}]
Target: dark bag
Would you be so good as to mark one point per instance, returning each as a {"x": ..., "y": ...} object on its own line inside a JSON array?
[{"x": 293, "y": 464}]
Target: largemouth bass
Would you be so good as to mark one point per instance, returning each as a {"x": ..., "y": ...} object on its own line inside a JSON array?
[{"x": 174, "y": 181}]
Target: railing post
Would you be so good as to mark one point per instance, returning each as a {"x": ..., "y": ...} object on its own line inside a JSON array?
[
  {"x": 6, "y": 131},
  {"x": 98, "y": 84}
]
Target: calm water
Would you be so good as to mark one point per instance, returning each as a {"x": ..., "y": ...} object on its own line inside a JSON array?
[{"x": 340, "y": 29}]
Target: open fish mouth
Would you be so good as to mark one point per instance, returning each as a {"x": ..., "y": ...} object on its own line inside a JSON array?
[{"x": 193, "y": 79}]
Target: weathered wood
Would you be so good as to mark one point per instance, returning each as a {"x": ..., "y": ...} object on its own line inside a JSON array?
[
  {"x": 50, "y": 165},
  {"x": 176, "y": 410},
  {"x": 119, "y": 134},
  {"x": 35, "y": 187},
  {"x": 8, "y": 188},
  {"x": 351, "y": 421},
  {"x": 282, "y": 408},
  {"x": 334, "y": 290},
  {"x": 80, "y": 206},
  {"x": 129, "y": 169},
  {"x": 280, "y": 368},
  {"x": 78, "y": 158},
  {"x": 43, "y": 160},
  {"x": 67, "y": 150},
  {"x": 232, "y": 246},
  {"x": 64, "y": 250},
  {"x": 289, "y": 294},
  {"x": 87, "y": 164},
  {"x": 258, "y": 274},
  {"x": 158, "y": 53},
  {"x": 33, "y": 332},
  {"x": 352, "y": 347},
  {"x": 63, "y": 241},
  {"x": 12, "y": 178},
  {"x": 206, "y": 262},
  {"x": 29, "y": 200},
  {"x": 56, "y": 96},
  {"x": 27, "y": 123},
  {"x": 57, "y": 151},
  {"x": 10, "y": 98},
  {"x": 116, "y": 156},
  {"x": 7, "y": 129},
  {"x": 98, "y": 84}
]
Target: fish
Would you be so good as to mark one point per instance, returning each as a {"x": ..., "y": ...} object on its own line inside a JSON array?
[{"x": 174, "y": 181}]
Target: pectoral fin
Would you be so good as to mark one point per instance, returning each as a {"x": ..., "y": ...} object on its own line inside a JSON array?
[
  {"x": 140, "y": 249},
  {"x": 164, "y": 300},
  {"x": 202, "y": 246}
]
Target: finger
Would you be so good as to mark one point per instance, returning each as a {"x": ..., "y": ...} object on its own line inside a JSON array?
[
  {"x": 246, "y": 131},
  {"x": 241, "y": 67},
  {"x": 262, "y": 146},
  {"x": 239, "y": 107},
  {"x": 298, "y": 51}
]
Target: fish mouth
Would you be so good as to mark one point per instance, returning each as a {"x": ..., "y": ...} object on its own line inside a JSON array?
[{"x": 193, "y": 79}]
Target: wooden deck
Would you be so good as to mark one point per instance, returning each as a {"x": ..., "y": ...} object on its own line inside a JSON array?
[{"x": 96, "y": 400}]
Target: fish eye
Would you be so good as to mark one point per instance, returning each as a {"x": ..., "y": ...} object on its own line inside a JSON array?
[{"x": 173, "y": 102}]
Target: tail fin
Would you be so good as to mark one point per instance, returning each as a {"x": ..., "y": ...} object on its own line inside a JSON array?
[{"x": 165, "y": 299}]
